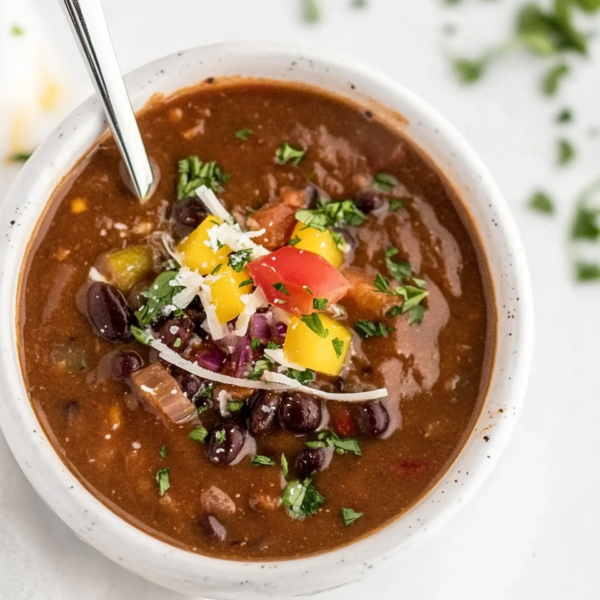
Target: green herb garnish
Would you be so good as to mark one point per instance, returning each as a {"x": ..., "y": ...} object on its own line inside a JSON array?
[
  {"x": 542, "y": 203},
  {"x": 311, "y": 11},
  {"x": 320, "y": 303},
  {"x": 301, "y": 498},
  {"x": 262, "y": 461},
  {"x": 314, "y": 323},
  {"x": 331, "y": 439},
  {"x": 238, "y": 260},
  {"x": 295, "y": 240},
  {"x": 199, "y": 434},
  {"x": 349, "y": 516},
  {"x": 287, "y": 153},
  {"x": 280, "y": 287},
  {"x": 163, "y": 452},
  {"x": 564, "y": 116},
  {"x": 307, "y": 290},
  {"x": 338, "y": 346},
  {"x": 193, "y": 173},
  {"x": 255, "y": 344},
  {"x": 304, "y": 377},
  {"x": 331, "y": 214},
  {"x": 398, "y": 269},
  {"x": 385, "y": 182},
  {"x": 243, "y": 134},
  {"x": 220, "y": 436},
  {"x": 159, "y": 299},
  {"x": 396, "y": 204},
  {"x": 367, "y": 329},
  {"x": 235, "y": 406},
  {"x": 17, "y": 31},
  {"x": 142, "y": 335},
  {"x": 586, "y": 271},
  {"x": 162, "y": 478},
  {"x": 216, "y": 269},
  {"x": 262, "y": 365},
  {"x": 566, "y": 152},
  {"x": 284, "y": 465},
  {"x": 246, "y": 282},
  {"x": 20, "y": 157}
]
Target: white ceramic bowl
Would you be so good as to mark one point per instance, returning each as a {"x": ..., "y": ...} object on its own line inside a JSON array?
[{"x": 191, "y": 573}]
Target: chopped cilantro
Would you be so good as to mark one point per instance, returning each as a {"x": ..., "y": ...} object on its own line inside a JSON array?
[
  {"x": 216, "y": 269},
  {"x": 367, "y": 329},
  {"x": 542, "y": 203},
  {"x": 199, "y": 434},
  {"x": 284, "y": 465},
  {"x": 395, "y": 311},
  {"x": 238, "y": 260},
  {"x": 307, "y": 289},
  {"x": 331, "y": 439},
  {"x": 311, "y": 12},
  {"x": 243, "y": 134},
  {"x": 235, "y": 406},
  {"x": 467, "y": 70},
  {"x": 586, "y": 225},
  {"x": 287, "y": 153},
  {"x": 566, "y": 152},
  {"x": 349, "y": 516},
  {"x": 385, "y": 182},
  {"x": 415, "y": 315},
  {"x": 382, "y": 284},
  {"x": 20, "y": 157},
  {"x": 338, "y": 346},
  {"x": 280, "y": 287},
  {"x": 320, "y": 303},
  {"x": 396, "y": 204},
  {"x": 273, "y": 346},
  {"x": 413, "y": 296},
  {"x": 255, "y": 344},
  {"x": 313, "y": 322},
  {"x": 177, "y": 343},
  {"x": 220, "y": 436},
  {"x": 159, "y": 299},
  {"x": 260, "y": 367},
  {"x": 398, "y": 269},
  {"x": 141, "y": 335},
  {"x": 301, "y": 498},
  {"x": 331, "y": 214},
  {"x": 304, "y": 377},
  {"x": 163, "y": 452},
  {"x": 553, "y": 77},
  {"x": 246, "y": 282},
  {"x": 162, "y": 478},
  {"x": 295, "y": 240},
  {"x": 17, "y": 31},
  {"x": 193, "y": 173},
  {"x": 262, "y": 461},
  {"x": 585, "y": 271},
  {"x": 564, "y": 116}
]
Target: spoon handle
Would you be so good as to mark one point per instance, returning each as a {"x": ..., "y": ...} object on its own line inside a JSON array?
[{"x": 91, "y": 31}]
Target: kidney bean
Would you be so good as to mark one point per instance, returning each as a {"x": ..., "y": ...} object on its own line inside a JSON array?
[
  {"x": 108, "y": 312},
  {"x": 212, "y": 530},
  {"x": 368, "y": 200},
  {"x": 263, "y": 413},
  {"x": 189, "y": 212},
  {"x": 374, "y": 418},
  {"x": 176, "y": 333},
  {"x": 299, "y": 413},
  {"x": 233, "y": 436},
  {"x": 308, "y": 462},
  {"x": 124, "y": 364}
]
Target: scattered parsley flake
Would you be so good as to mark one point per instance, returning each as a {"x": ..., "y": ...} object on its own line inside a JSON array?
[
  {"x": 349, "y": 516},
  {"x": 162, "y": 479},
  {"x": 307, "y": 289},
  {"x": 17, "y": 31},
  {"x": 220, "y": 436},
  {"x": 566, "y": 152},
  {"x": 585, "y": 271},
  {"x": 304, "y": 377},
  {"x": 255, "y": 344},
  {"x": 331, "y": 439},
  {"x": 385, "y": 182},
  {"x": 468, "y": 71},
  {"x": 238, "y": 260},
  {"x": 542, "y": 203},
  {"x": 301, "y": 498},
  {"x": 243, "y": 134},
  {"x": 262, "y": 365},
  {"x": 331, "y": 214},
  {"x": 367, "y": 329},
  {"x": 193, "y": 173},
  {"x": 262, "y": 461},
  {"x": 287, "y": 153},
  {"x": 553, "y": 77},
  {"x": 141, "y": 335},
  {"x": 295, "y": 240},
  {"x": 564, "y": 116},
  {"x": 382, "y": 284},
  {"x": 235, "y": 406},
  {"x": 199, "y": 434},
  {"x": 163, "y": 452},
  {"x": 338, "y": 346},
  {"x": 216, "y": 269},
  {"x": 284, "y": 465},
  {"x": 280, "y": 287},
  {"x": 246, "y": 282},
  {"x": 398, "y": 269},
  {"x": 177, "y": 343},
  {"x": 20, "y": 157},
  {"x": 311, "y": 12},
  {"x": 396, "y": 204},
  {"x": 320, "y": 303},
  {"x": 159, "y": 298},
  {"x": 314, "y": 323}
]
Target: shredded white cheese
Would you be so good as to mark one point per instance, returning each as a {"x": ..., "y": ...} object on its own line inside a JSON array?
[
  {"x": 272, "y": 381},
  {"x": 223, "y": 398},
  {"x": 213, "y": 204},
  {"x": 214, "y": 326},
  {"x": 252, "y": 302},
  {"x": 192, "y": 283},
  {"x": 95, "y": 275},
  {"x": 233, "y": 237}
]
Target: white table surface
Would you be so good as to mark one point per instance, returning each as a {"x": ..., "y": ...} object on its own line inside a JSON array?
[{"x": 533, "y": 531}]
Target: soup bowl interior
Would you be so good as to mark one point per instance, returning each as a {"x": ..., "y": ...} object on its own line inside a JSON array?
[{"x": 192, "y": 573}]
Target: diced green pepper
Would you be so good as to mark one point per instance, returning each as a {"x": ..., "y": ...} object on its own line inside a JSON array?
[{"x": 124, "y": 268}]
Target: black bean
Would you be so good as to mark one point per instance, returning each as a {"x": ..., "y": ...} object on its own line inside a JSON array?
[
  {"x": 212, "y": 530},
  {"x": 71, "y": 409},
  {"x": 124, "y": 364},
  {"x": 189, "y": 383},
  {"x": 189, "y": 212},
  {"x": 308, "y": 462},
  {"x": 176, "y": 333},
  {"x": 373, "y": 418},
  {"x": 263, "y": 413},
  {"x": 300, "y": 413},
  {"x": 368, "y": 200},
  {"x": 226, "y": 442},
  {"x": 108, "y": 313}
]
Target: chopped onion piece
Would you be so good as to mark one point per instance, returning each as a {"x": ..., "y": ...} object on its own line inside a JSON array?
[
  {"x": 273, "y": 381},
  {"x": 278, "y": 357},
  {"x": 95, "y": 275}
]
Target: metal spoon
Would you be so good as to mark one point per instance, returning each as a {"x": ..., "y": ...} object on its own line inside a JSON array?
[{"x": 90, "y": 29}]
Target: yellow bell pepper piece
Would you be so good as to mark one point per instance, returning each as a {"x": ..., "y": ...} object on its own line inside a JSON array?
[
  {"x": 319, "y": 242},
  {"x": 196, "y": 254},
  {"x": 124, "y": 268},
  {"x": 304, "y": 347},
  {"x": 226, "y": 292}
]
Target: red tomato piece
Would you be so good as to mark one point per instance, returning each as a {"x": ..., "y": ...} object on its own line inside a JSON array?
[
  {"x": 303, "y": 275},
  {"x": 344, "y": 424}
]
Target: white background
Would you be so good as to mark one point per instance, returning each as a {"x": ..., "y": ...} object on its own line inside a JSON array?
[{"x": 533, "y": 531}]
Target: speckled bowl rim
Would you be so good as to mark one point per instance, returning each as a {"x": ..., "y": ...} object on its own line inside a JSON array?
[{"x": 190, "y": 573}]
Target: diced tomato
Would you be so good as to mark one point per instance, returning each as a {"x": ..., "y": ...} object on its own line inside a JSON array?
[
  {"x": 344, "y": 424},
  {"x": 303, "y": 275}
]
